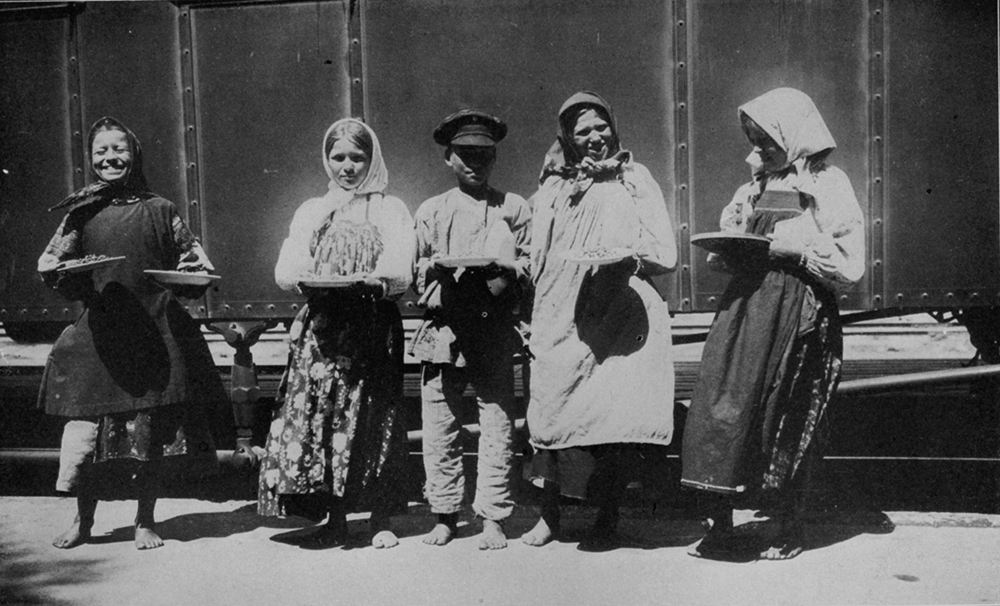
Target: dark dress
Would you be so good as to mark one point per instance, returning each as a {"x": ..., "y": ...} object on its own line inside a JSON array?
[
  {"x": 769, "y": 369},
  {"x": 134, "y": 362}
]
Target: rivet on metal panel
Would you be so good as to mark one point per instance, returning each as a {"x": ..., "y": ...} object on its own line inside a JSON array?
[
  {"x": 184, "y": 15},
  {"x": 24, "y": 312},
  {"x": 248, "y": 307},
  {"x": 680, "y": 24},
  {"x": 680, "y": 65},
  {"x": 684, "y": 226},
  {"x": 949, "y": 295},
  {"x": 925, "y": 296},
  {"x": 899, "y": 296},
  {"x": 226, "y": 307},
  {"x": 190, "y": 128},
  {"x": 194, "y": 203},
  {"x": 878, "y": 97},
  {"x": 3, "y": 312},
  {"x": 355, "y": 41},
  {"x": 72, "y": 59},
  {"x": 202, "y": 309},
  {"x": 187, "y": 51},
  {"x": 79, "y": 170},
  {"x": 357, "y": 81},
  {"x": 77, "y": 133},
  {"x": 191, "y": 165},
  {"x": 188, "y": 89},
  {"x": 683, "y": 145},
  {"x": 878, "y": 262},
  {"x": 878, "y": 54},
  {"x": 878, "y": 298},
  {"x": 711, "y": 299},
  {"x": 878, "y": 179},
  {"x": 843, "y": 297},
  {"x": 681, "y": 105},
  {"x": 878, "y": 12},
  {"x": 687, "y": 301},
  {"x": 75, "y": 96},
  {"x": 685, "y": 268},
  {"x": 45, "y": 311},
  {"x": 66, "y": 311},
  {"x": 295, "y": 306},
  {"x": 270, "y": 307},
  {"x": 878, "y": 139},
  {"x": 684, "y": 186},
  {"x": 878, "y": 221},
  {"x": 975, "y": 295}
]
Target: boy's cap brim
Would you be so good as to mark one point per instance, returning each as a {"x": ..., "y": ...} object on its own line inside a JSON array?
[{"x": 470, "y": 127}]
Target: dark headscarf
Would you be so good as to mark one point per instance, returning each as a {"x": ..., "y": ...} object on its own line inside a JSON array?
[
  {"x": 563, "y": 158},
  {"x": 132, "y": 186}
]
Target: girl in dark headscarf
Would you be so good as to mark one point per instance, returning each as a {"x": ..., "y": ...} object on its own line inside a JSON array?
[
  {"x": 772, "y": 359},
  {"x": 602, "y": 374},
  {"x": 133, "y": 374}
]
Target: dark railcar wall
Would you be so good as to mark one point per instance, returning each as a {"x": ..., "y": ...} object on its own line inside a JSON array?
[{"x": 231, "y": 101}]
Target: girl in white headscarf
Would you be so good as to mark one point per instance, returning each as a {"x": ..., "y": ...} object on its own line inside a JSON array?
[
  {"x": 338, "y": 444},
  {"x": 772, "y": 358}
]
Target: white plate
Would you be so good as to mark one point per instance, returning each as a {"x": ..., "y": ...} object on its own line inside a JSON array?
[
  {"x": 729, "y": 243},
  {"x": 466, "y": 261},
  {"x": 181, "y": 277},
  {"x": 88, "y": 266},
  {"x": 333, "y": 282},
  {"x": 606, "y": 257}
]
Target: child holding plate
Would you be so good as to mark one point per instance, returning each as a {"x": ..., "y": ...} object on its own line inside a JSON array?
[
  {"x": 337, "y": 443},
  {"x": 133, "y": 375},
  {"x": 471, "y": 269}
]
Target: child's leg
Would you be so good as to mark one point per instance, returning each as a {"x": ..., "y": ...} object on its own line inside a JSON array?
[
  {"x": 145, "y": 520},
  {"x": 79, "y": 532},
  {"x": 440, "y": 393},
  {"x": 381, "y": 523},
  {"x": 547, "y": 528},
  {"x": 495, "y": 396}
]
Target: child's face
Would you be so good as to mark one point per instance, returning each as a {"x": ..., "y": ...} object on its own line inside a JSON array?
[
  {"x": 471, "y": 164},
  {"x": 348, "y": 163},
  {"x": 110, "y": 155},
  {"x": 772, "y": 156},
  {"x": 592, "y": 135}
]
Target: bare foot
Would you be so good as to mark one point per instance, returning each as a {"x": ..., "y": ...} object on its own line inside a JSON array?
[
  {"x": 76, "y": 535},
  {"x": 493, "y": 536},
  {"x": 384, "y": 539},
  {"x": 146, "y": 538},
  {"x": 444, "y": 531},
  {"x": 540, "y": 535},
  {"x": 441, "y": 534},
  {"x": 785, "y": 546}
]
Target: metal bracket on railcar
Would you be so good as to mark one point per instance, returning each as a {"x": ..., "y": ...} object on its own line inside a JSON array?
[{"x": 244, "y": 391}]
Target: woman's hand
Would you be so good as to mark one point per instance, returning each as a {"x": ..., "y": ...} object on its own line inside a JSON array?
[{"x": 782, "y": 249}]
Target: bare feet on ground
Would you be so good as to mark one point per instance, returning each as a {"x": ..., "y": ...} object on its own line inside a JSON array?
[
  {"x": 786, "y": 545},
  {"x": 441, "y": 534},
  {"x": 384, "y": 539},
  {"x": 493, "y": 536},
  {"x": 76, "y": 535},
  {"x": 540, "y": 535},
  {"x": 146, "y": 538}
]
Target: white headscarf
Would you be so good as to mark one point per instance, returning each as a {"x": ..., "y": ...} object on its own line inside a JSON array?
[
  {"x": 374, "y": 182},
  {"x": 789, "y": 117}
]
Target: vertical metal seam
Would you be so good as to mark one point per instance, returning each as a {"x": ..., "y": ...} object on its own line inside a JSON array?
[
  {"x": 877, "y": 146},
  {"x": 195, "y": 209},
  {"x": 681, "y": 156},
  {"x": 75, "y": 90},
  {"x": 355, "y": 58}
]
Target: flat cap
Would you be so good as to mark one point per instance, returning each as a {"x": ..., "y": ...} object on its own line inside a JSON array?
[{"x": 470, "y": 127}]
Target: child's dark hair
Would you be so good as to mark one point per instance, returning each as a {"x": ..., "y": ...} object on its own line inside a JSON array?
[{"x": 353, "y": 132}]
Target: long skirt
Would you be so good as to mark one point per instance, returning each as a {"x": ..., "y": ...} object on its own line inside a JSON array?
[
  {"x": 340, "y": 430},
  {"x": 769, "y": 370}
]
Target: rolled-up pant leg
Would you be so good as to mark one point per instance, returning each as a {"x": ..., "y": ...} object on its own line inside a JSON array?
[
  {"x": 494, "y": 385},
  {"x": 441, "y": 394}
]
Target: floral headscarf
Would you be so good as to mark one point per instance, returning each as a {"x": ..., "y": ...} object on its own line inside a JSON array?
[
  {"x": 134, "y": 183},
  {"x": 789, "y": 117}
]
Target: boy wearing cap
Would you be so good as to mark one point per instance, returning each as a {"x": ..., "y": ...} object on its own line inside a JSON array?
[{"x": 468, "y": 334}]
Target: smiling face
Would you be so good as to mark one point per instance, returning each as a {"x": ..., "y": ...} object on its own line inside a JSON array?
[
  {"x": 348, "y": 163},
  {"x": 110, "y": 155},
  {"x": 472, "y": 164},
  {"x": 772, "y": 157},
  {"x": 592, "y": 135}
]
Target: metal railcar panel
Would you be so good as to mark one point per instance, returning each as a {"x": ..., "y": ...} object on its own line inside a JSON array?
[
  {"x": 740, "y": 50},
  {"x": 520, "y": 60},
  {"x": 268, "y": 79},
  {"x": 37, "y": 71},
  {"x": 943, "y": 216}
]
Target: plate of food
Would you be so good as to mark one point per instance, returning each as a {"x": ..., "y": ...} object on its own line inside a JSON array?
[
  {"x": 466, "y": 261},
  {"x": 313, "y": 281},
  {"x": 187, "y": 278},
  {"x": 729, "y": 243},
  {"x": 88, "y": 263},
  {"x": 601, "y": 255}
]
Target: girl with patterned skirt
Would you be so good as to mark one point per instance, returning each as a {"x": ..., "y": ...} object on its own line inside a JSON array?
[{"x": 337, "y": 443}]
